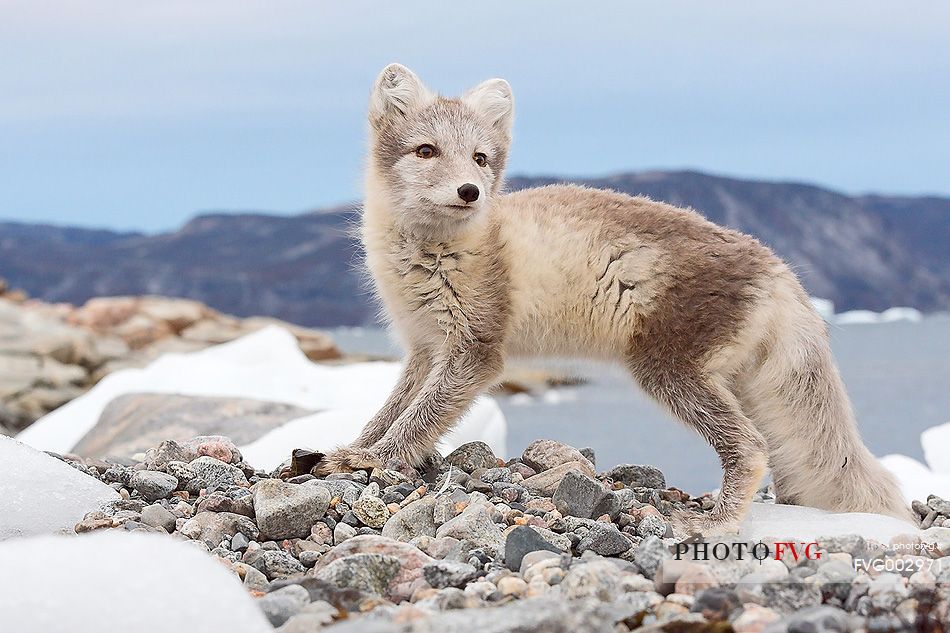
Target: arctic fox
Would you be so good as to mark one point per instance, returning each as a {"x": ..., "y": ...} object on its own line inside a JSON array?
[{"x": 708, "y": 321}]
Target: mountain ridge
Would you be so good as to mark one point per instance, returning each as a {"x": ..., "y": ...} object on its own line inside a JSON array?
[{"x": 868, "y": 251}]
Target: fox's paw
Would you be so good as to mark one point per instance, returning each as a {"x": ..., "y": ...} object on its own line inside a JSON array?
[
  {"x": 346, "y": 459},
  {"x": 687, "y": 523}
]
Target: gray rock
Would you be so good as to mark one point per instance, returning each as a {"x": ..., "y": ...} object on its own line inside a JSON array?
[
  {"x": 416, "y": 519},
  {"x": 543, "y": 455},
  {"x": 823, "y": 619},
  {"x": 157, "y": 516},
  {"x": 273, "y": 563},
  {"x": 214, "y": 472},
  {"x": 545, "y": 483},
  {"x": 288, "y": 510},
  {"x": 239, "y": 543},
  {"x": 371, "y": 511},
  {"x": 716, "y": 603},
  {"x": 472, "y": 455},
  {"x": 615, "y": 502},
  {"x": 577, "y": 495},
  {"x": 476, "y": 525},
  {"x": 366, "y": 572},
  {"x": 637, "y": 476},
  {"x": 445, "y": 573},
  {"x": 598, "y": 579},
  {"x": 342, "y": 531},
  {"x": 347, "y": 490},
  {"x": 312, "y": 617},
  {"x": 279, "y": 605},
  {"x": 834, "y": 577},
  {"x": 213, "y": 527},
  {"x": 222, "y": 502},
  {"x": 649, "y": 554},
  {"x": 153, "y": 485},
  {"x": 133, "y": 423},
  {"x": 604, "y": 539},
  {"x": 790, "y": 597},
  {"x": 651, "y": 525},
  {"x": 521, "y": 541}
]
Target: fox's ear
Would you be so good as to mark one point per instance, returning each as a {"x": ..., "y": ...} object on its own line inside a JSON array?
[
  {"x": 397, "y": 91},
  {"x": 493, "y": 100}
]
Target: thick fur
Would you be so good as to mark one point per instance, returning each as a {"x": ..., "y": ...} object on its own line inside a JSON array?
[{"x": 709, "y": 322}]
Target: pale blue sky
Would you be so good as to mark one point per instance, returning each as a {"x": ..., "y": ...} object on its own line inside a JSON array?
[{"x": 135, "y": 114}]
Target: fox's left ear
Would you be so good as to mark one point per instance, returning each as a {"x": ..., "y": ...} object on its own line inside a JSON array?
[{"x": 493, "y": 100}]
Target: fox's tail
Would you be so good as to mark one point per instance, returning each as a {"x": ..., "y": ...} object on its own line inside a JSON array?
[{"x": 799, "y": 402}]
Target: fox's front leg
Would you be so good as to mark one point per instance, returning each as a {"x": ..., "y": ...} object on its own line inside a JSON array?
[
  {"x": 355, "y": 456},
  {"x": 459, "y": 374}
]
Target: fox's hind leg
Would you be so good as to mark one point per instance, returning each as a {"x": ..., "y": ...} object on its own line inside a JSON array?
[{"x": 705, "y": 404}]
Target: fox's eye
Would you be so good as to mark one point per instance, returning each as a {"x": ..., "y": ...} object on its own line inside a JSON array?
[
  {"x": 480, "y": 159},
  {"x": 425, "y": 151}
]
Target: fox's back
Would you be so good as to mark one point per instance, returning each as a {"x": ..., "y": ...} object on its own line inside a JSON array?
[{"x": 589, "y": 267}]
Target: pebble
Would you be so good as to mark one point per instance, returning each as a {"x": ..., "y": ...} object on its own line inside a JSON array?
[
  {"x": 152, "y": 484},
  {"x": 474, "y": 524},
  {"x": 211, "y": 472},
  {"x": 520, "y": 542},
  {"x": 578, "y": 494},
  {"x": 342, "y": 531},
  {"x": 157, "y": 516},
  {"x": 512, "y": 586},
  {"x": 472, "y": 456},
  {"x": 638, "y": 476},
  {"x": 287, "y": 510},
  {"x": 542, "y": 455},
  {"x": 281, "y": 604},
  {"x": 446, "y": 573},
  {"x": 371, "y": 511}
]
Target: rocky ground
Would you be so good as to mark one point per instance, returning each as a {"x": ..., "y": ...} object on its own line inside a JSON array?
[
  {"x": 541, "y": 543},
  {"x": 53, "y": 353}
]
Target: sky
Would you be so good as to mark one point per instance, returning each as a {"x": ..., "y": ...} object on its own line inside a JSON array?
[{"x": 139, "y": 115}]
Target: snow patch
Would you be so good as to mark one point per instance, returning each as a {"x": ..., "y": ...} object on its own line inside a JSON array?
[
  {"x": 778, "y": 520},
  {"x": 40, "y": 494},
  {"x": 264, "y": 365},
  {"x": 118, "y": 581}
]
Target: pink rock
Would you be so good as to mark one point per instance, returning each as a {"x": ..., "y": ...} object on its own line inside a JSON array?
[{"x": 411, "y": 560}]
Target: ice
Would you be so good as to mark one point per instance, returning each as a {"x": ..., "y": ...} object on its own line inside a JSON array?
[
  {"x": 916, "y": 480},
  {"x": 266, "y": 365},
  {"x": 40, "y": 494},
  {"x": 824, "y": 307},
  {"x": 936, "y": 445},
  {"x": 778, "y": 520},
  {"x": 117, "y": 581},
  {"x": 866, "y": 316}
]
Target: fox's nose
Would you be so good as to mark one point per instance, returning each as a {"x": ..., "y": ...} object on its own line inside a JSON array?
[{"x": 468, "y": 192}]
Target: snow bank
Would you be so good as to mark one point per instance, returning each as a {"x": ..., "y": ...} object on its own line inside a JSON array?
[
  {"x": 919, "y": 480},
  {"x": 118, "y": 581},
  {"x": 936, "y": 445},
  {"x": 265, "y": 365},
  {"x": 777, "y": 520},
  {"x": 40, "y": 494},
  {"x": 916, "y": 480}
]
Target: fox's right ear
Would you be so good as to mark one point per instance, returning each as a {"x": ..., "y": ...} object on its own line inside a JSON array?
[{"x": 398, "y": 91}]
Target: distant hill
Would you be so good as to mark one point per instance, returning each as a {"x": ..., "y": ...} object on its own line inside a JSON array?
[{"x": 861, "y": 252}]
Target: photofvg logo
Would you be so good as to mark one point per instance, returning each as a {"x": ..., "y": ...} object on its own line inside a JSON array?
[{"x": 779, "y": 550}]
